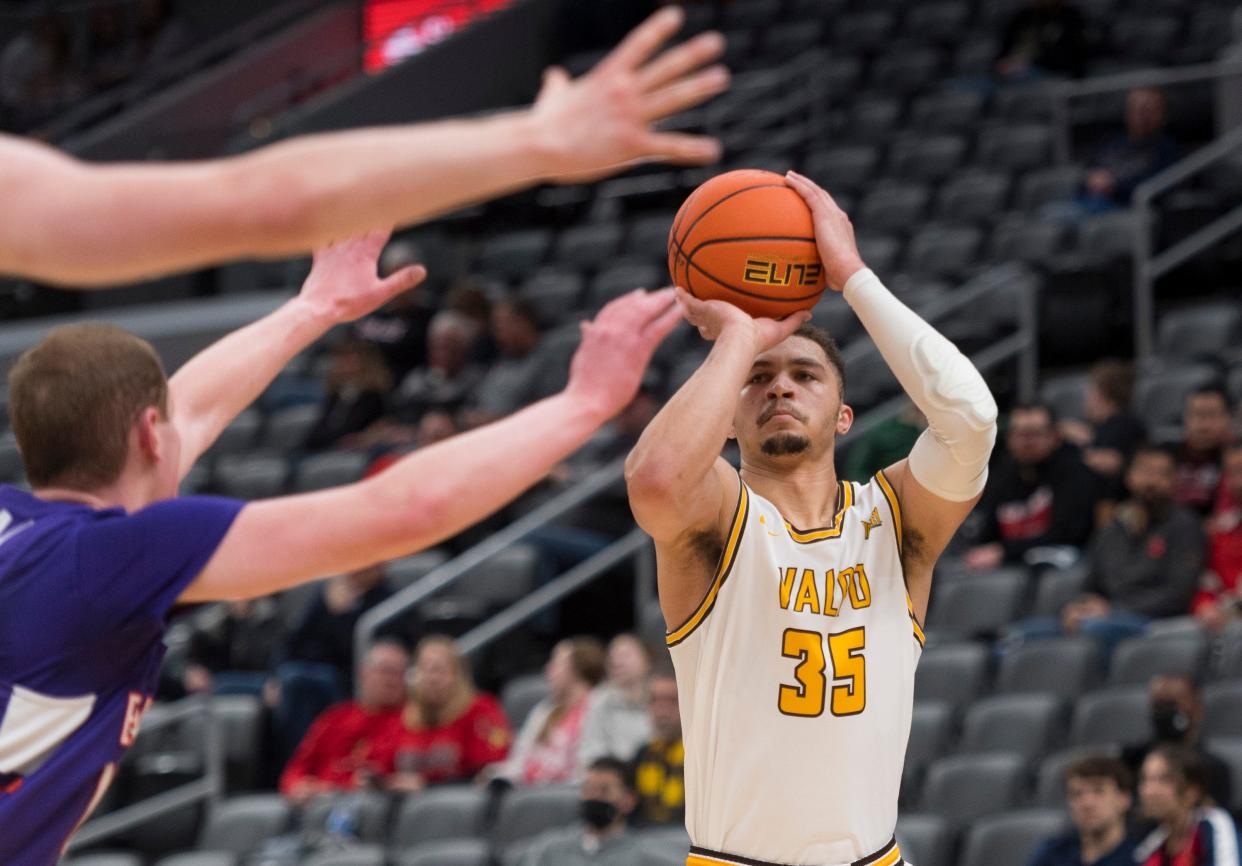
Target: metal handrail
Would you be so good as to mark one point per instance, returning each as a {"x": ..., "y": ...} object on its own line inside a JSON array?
[
  {"x": 1022, "y": 345},
  {"x": 208, "y": 788},
  {"x": 1062, "y": 92},
  {"x": 1148, "y": 266}
]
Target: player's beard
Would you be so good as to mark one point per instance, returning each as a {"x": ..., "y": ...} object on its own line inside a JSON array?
[{"x": 783, "y": 444}]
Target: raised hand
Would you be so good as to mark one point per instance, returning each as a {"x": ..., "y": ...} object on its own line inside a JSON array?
[
  {"x": 714, "y": 318},
  {"x": 605, "y": 119},
  {"x": 344, "y": 283},
  {"x": 834, "y": 233},
  {"x": 616, "y": 347}
]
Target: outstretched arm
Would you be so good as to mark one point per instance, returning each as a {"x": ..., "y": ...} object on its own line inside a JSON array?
[
  {"x": 438, "y": 491},
  {"x": 91, "y": 225},
  {"x": 215, "y": 385},
  {"x": 679, "y": 487},
  {"x": 942, "y": 479}
]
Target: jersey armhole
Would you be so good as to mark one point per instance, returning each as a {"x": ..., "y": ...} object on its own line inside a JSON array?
[
  {"x": 727, "y": 557},
  {"x": 894, "y": 507}
]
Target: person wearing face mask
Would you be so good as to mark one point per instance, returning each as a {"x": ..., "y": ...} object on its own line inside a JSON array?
[
  {"x": 1190, "y": 829},
  {"x": 602, "y": 840},
  {"x": 1177, "y": 719}
]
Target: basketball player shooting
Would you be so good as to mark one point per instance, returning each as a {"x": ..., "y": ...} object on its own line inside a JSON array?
[
  {"x": 92, "y": 561},
  {"x": 794, "y": 600}
]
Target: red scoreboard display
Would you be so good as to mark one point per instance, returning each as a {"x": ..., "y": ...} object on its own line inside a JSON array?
[{"x": 396, "y": 29}]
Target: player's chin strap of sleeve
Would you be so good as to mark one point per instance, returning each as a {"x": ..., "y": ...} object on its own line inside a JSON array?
[{"x": 951, "y": 457}]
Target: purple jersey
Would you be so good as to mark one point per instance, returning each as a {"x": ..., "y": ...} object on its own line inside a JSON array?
[{"x": 84, "y": 597}]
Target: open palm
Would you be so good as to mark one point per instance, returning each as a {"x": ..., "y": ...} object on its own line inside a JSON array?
[{"x": 344, "y": 282}]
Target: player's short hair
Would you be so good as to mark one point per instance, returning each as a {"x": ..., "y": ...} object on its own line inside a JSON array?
[
  {"x": 608, "y": 764},
  {"x": 1101, "y": 767},
  {"x": 73, "y": 399},
  {"x": 1115, "y": 381},
  {"x": 832, "y": 352}
]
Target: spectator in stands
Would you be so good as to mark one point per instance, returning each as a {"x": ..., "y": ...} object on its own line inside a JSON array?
[
  {"x": 1040, "y": 493},
  {"x": 1043, "y": 38},
  {"x": 547, "y": 747},
  {"x": 448, "y": 731},
  {"x": 317, "y": 660},
  {"x": 1177, "y": 719},
  {"x": 1220, "y": 592},
  {"x": 356, "y": 385},
  {"x": 339, "y": 752},
  {"x": 232, "y": 648},
  {"x": 884, "y": 444},
  {"x": 1111, "y": 431},
  {"x": 511, "y": 381},
  {"x": 1207, "y": 429},
  {"x": 35, "y": 71},
  {"x": 399, "y": 328},
  {"x": 617, "y": 722},
  {"x": 1190, "y": 831},
  {"x": 446, "y": 381},
  {"x": 660, "y": 765},
  {"x": 1098, "y": 791},
  {"x": 1131, "y": 157},
  {"x": 603, "y": 840},
  {"x": 472, "y": 298}
]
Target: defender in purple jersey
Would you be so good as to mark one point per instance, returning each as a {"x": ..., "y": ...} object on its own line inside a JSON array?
[{"x": 92, "y": 561}]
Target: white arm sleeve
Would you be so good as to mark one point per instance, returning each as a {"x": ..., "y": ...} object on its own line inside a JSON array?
[{"x": 951, "y": 457}]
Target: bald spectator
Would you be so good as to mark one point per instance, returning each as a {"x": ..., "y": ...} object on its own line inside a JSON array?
[
  {"x": 1207, "y": 429},
  {"x": 1220, "y": 592}
]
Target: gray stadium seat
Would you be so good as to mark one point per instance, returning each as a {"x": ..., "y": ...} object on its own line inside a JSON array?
[
  {"x": 527, "y": 812},
  {"x": 930, "y": 729},
  {"x": 947, "y": 111},
  {"x": 362, "y": 855},
  {"x": 1011, "y": 838},
  {"x": 906, "y": 71},
  {"x": 863, "y": 29},
  {"x": 1230, "y": 662},
  {"x": 370, "y": 809},
  {"x": 964, "y": 788},
  {"x": 1063, "y": 667},
  {"x": 242, "y": 723},
  {"x": 589, "y": 246},
  {"x": 330, "y": 469},
  {"x": 750, "y": 13},
  {"x": 648, "y": 235},
  {"x": 1146, "y": 37},
  {"x": 1027, "y": 239},
  {"x": 1229, "y": 750},
  {"x": 1107, "y": 236},
  {"x": 893, "y": 208},
  {"x": 1050, "y": 777},
  {"x": 787, "y": 40},
  {"x": 948, "y": 252},
  {"x": 1019, "y": 724},
  {"x": 975, "y": 56},
  {"x": 1159, "y": 397},
  {"x": 254, "y": 476},
  {"x": 664, "y": 846},
  {"x": 439, "y": 813},
  {"x": 836, "y": 76},
  {"x": 520, "y": 695},
  {"x": 924, "y": 838},
  {"x": 514, "y": 254},
  {"x": 1119, "y": 715},
  {"x": 200, "y": 858},
  {"x": 241, "y": 824},
  {"x": 1233, "y": 383},
  {"x": 1200, "y": 333},
  {"x": 1066, "y": 394},
  {"x": 881, "y": 252},
  {"x": 454, "y": 852},
  {"x": 954, "y": 672},
  {"x": 1044, "y": 185},
  {"x": 1222, "y": 709},
  {"x": 619, "y": 279},
  {"x": 400, "y": 573},
  {"x": 502, "y": 579},
  {"x": 1020, "y": 103},
  {"x": 1138, "y": 659},
  {"x": 938, "y": 20},
  {"x": 1057, "y": 587},
  {"x": 10, "y": 459},
  {"x": 974, "y": 197},
  {"x": 978, "y": 604},
  {"x": 873, "y": 118},
  {"x": 552, "y": 292},
  {"x": 105, "y": 858},
  {"x": 239, "y": 435},
  {"x": 288, "y": 428},
  {"x": 1016, "y": 148},
  {"x": 843, "y": 169}
]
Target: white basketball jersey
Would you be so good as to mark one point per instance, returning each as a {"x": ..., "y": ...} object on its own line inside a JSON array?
[{"x": 796, "y": 681}]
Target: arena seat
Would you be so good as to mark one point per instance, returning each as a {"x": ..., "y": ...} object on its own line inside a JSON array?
[
  {"x": 1050, "y": 776},
  {"x": 105, "y": 858},
  {"x": 1199, "y": 333},
  {"x": 865, "y": 30},
  {"x": 623, "y": 277},
  {"x": 588, "y": 246},
  {"x": 1015, "y": 148},
  {"x": 552, "y": 292},
  {"x": 944, "y": 251},
  {"x": 329, "y": 469},
  {"x": 514, "y": 254},
  {"x": 926, "y": 158},
  {"x": 1229, "y": 750},
  {"x": 947, "y": 110},
  {"x": 1138, "y": 659},
  {"x": 940, "y": 21},
  {"x": 791, "y": 38},
  {"x": 1026, "y": 724},
  {"x": 750, "y": 13},
  {"x": 880, "y": 252},
  {"x": 1017, "y": 237},
  {"x": 361, "y": 855},
  {"x": 1041, "y": 186},
  {"x": 10, "y": 459},
  {"x": 956, "y": 673},
  {"x": 453, "y": 852},
  {"x": 1107, "y": 237},
  {"x": 287, "y": 429},
  {"x": 240, "y": 824},
  {"x": 1116, "y": 715},
  {"x": 924, "y": 839},
  {"x": 1222, "y": 709},
  {"x": 978, "y": 604},
  {"x": 200, "y": 858},
  {"x": 502, "y": 579},
  {"x": 1064, "y": 667},
  {"x": 1011, "y": 838},
  {"x": 976, "y": 196},
  {"x": 965, "y": 788},
  {"x": 664, "y": 845},
  {"x": 242, "y": 724},
  {"x": 931, "y": 728},
  {"x": 252, "y": 476},
  {"x": 906, "y": 72},
  {"x": 894, "y": 208},
  {"x": 1159, "y": 396},
  {"x": 240, "y": 435},
  {"x": 843, "y": 169},
  {"x": 527, "y": 812},
  {"x": 872, "y": 118},
  {"x": 370, "y": 809},
  {"x": 1057, "y": 587},
  {"x": 1230, "y": 663},
  {"x": 648, "y": 235}
]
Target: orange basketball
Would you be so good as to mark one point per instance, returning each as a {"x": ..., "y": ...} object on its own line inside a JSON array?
[{"x": 747, "y": 238}]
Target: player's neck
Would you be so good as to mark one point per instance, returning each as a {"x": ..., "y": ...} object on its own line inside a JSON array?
[
  {"x": 116, "y": 496},
  {"x": 805, "y": 495}
]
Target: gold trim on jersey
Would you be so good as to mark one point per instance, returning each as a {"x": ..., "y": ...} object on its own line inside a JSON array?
[
  {"x": 893, "y": 505},
  {"x": 914, "y": 621},
  {"x": 734, "y": 541},
  {"x": 845, "y": 498},
  {"x": 889, "y": 855}
]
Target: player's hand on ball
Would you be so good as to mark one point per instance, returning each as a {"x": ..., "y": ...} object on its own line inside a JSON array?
[
  {"x": 344, "y": 282},
  {"x": 616, "y": 347},
  {"x": 604, "y": 120},
  {"x": 714, "y": 318},
  {"x": 834, "y": 233}
]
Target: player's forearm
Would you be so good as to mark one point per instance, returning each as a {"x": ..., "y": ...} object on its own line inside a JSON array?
[
  {"x": 214, "y": 386},
  {"x": 682, "y": 443}
]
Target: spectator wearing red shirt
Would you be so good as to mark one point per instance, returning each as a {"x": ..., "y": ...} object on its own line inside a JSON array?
[
  {"x": 1207, "y": 430},
  {"x": 339, "y": 752},
  {"x": 547, "y": 747},
  {"x": 1220, "y": 596},
  {"x": 1190, "y": 831},
  {"x": 448, "y": 731}
]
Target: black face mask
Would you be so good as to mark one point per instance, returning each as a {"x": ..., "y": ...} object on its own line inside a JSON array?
[
  {"x": 597, "y": 814},
  {"x": 1169, "y": 722}
]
